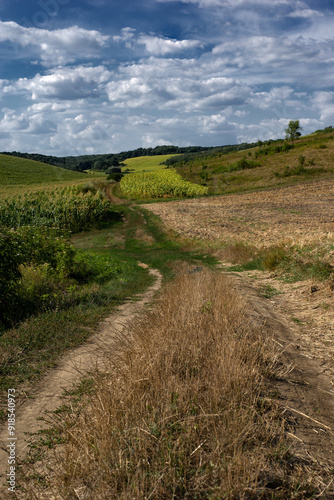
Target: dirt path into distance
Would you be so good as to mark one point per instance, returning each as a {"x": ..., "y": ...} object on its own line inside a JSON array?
[{"x": 46, "y": 396}]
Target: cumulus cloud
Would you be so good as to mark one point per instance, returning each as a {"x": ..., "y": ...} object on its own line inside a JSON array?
[
  {"x": 265, "y": 50},
  {"x": 66, "y": 83},
  {"x": 155, "y": 45},
  {"x": 56, "y": 47},
  {"x": 232, "y": 3},
  {"x": 127, "y": 36},
  {"x": 178, "y": 84},
  {"x": 162, "y": 46},
  {"x": 13, "y": 121},
  {"x": 155, "y": 88},
  {"x": 323, "y": 102}
]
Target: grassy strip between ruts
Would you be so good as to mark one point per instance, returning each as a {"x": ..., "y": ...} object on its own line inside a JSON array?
[
  {"x": 34, "y": 345},
  {"x": 182, "y": 411}
]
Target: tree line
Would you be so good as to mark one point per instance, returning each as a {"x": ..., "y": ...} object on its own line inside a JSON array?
[{"x": 103, "y": 162}]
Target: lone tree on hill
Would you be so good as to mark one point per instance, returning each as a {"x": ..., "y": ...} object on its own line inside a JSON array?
[{"x": 293, "y": 130}]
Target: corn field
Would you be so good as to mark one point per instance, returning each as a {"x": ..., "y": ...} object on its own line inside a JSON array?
[
  {"x": 67, "y": 208},
  {"x": 159, "y": 185}
]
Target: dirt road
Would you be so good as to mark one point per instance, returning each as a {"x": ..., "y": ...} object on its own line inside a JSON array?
[{"x": 46, "y": 397}]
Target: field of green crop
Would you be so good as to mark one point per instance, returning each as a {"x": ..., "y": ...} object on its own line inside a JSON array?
[
  {"x": 146, "y": 163},
  {"x": 68, "y": 208},
  {"x": 160, "y": 184},
  {"x": 19, "y": 176}
]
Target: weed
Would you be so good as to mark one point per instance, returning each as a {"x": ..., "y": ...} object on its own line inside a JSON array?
[
  {"x": 268, "y": 291},
  {"x": 297, "y": 320}
]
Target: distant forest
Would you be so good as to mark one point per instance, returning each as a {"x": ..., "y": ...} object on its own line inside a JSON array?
[{"x": 103, "y": 162}]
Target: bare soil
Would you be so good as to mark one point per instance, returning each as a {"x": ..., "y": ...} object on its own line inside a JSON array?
[{"x": 48, "y": 395}]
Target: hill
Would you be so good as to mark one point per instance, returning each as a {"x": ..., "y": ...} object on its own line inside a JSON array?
[
  {"x": 270, "y": 164},
  {"x": 104, "y": 161},
  {"x": 21, "y": 171},
  {"x": 146, "y": 163}
]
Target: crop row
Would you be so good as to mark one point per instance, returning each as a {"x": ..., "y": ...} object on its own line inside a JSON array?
[
  {"x": 159, "y": 185},
  {"x": 67, "y": 208}
]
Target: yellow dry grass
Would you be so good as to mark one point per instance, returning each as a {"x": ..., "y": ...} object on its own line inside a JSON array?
[{"x": 180, "y": 412}]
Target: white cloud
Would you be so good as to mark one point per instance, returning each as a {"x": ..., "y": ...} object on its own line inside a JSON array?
[
  {"x": 174, "y": 84},
  {"x": 155, "y": 45},
  {"x": 56, "y": 47},
  {"x": 232, "y": 3},
  {"x": 127, "y": 36},
  {"x": 265, "y": 50},
  {"x": 66, "y": 83},
  {"x": 275, "y": 98},
  {"x": 162, "y": 46},
  {"x": 13, "y": 121},
  {"x": 323, "y": 102}
]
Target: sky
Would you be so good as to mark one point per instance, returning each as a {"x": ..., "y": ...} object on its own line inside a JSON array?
[{"x": 104, "y": 76}]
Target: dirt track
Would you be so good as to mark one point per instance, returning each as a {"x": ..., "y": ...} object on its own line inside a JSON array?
[
  {"x": 47, "y": 396},
  {"x": 300, "y": 320}
]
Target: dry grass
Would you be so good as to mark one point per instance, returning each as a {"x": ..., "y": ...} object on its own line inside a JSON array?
[{"x": 182, "y": 412}]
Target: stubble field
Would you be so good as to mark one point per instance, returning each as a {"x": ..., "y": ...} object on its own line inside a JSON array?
[
  {"x": 296, "y": 214},
  {"x": 294, "y": 224}
]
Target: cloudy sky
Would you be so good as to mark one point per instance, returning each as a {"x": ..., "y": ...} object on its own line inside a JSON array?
[{"x": 102, "y": 76}]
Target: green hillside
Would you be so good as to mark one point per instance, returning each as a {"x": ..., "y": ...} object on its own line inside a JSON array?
[
  {"x": 20, "y": 171},
  {"x": 271, "y": 164},
  {"x": 146, "y": 163}
]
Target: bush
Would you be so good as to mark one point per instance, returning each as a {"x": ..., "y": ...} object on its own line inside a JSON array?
[
  {"x": 46, "y": 251},
  {"x": 11, "y": 258},
  {"x": 117, "y": 176},
  {"x": 243, "y": 164}
]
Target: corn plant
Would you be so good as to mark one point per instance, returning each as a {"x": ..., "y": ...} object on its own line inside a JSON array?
[{"x": 66, "y": 208}]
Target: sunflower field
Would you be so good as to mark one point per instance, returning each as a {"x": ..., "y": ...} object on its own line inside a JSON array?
[{"x": 160, "y": 184}]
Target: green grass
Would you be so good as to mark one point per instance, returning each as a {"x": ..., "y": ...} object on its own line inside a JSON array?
[
  {"x": 20, "y": 171},
  {"x": 292, "y": 263},
  {"x": 271, "y": 165},
  {"x": 112, "y": 253},
  {"x": 146, "y": 163},
  {"x": 268, "y": 291}
]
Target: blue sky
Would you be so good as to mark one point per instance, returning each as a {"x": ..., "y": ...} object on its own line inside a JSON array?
[{"x": 98, "y": 76}]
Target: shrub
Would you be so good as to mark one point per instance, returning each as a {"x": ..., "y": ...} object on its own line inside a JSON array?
[
  {"x": 11, "y": 258},
  {"x": 116, "y": 176},
  {"x": 47, "y": 252}
]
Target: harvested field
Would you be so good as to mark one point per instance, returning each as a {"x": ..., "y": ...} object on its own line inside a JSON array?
[
  {"x": 298, "y": 217},
  {"x": 297, "y": 214}
]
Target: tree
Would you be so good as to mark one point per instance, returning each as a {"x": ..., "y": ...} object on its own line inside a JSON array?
[{"x": 293, "y": 130}]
